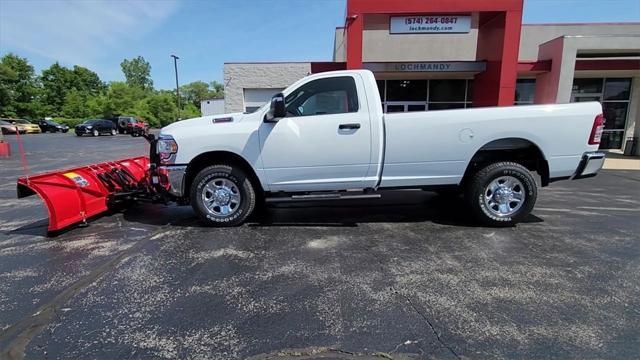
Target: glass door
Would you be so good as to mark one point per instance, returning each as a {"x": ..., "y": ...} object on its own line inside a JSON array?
[{"x": 614, "y": 94}]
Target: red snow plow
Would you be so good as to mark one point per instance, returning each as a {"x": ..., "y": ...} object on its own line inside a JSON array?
[{"x": 74, "y": 195}]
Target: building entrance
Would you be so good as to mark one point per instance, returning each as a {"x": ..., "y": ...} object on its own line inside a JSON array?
[{"x": 425, "y": 94}]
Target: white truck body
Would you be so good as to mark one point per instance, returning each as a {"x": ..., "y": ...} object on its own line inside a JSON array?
[{"x": 415, "y": 149}]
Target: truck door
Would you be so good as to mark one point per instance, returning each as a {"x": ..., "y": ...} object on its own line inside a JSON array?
[{"x": 324, "y": 142}]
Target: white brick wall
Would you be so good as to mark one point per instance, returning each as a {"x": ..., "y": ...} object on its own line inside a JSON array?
[{"x": 240, "y": 76}]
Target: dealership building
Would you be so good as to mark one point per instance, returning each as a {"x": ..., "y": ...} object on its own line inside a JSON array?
[{"x": 436, "y": 55}]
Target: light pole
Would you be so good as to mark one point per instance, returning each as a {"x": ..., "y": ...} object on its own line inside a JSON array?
[{"x": 175, "y": 66}]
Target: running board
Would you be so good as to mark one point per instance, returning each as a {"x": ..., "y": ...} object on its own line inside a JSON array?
[{"x": 321, "y": 197}]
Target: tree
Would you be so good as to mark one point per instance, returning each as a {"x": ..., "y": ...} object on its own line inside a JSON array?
[
  {"x": 75, "y": 105},
  {"x": 199, "y": 90},
  {"x": 121, "y": 99},
  {"x": 137, "y": 72},
  {"x": 87, "y": 81},
  {"x": 56, "y": 81},
  {"x": 163, "y": 108},
  {"x": 18, "y": 87}
]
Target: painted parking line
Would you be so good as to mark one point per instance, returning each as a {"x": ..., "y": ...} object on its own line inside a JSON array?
[{"x": 609, "y": 208}]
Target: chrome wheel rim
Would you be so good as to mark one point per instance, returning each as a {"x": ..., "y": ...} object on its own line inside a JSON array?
[
  {"x": 221, "y": 197},
  {"x": 504, "y": 196},
  {"x": 113, "y": 132},
  {"x": 95, "y": 133}
]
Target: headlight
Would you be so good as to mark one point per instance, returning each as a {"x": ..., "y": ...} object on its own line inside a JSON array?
[
  {"x": 89, "y": 127},
  {"x": 166, "y": 148}
]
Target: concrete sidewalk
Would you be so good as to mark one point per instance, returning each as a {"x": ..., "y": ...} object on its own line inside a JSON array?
[{"x": 617, "y": 161}]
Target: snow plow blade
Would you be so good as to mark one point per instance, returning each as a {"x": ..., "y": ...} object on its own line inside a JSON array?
[{"x": 74, "y": 195}]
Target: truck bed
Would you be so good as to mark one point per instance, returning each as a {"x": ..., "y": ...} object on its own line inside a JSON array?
[{"x": 434, "y": 147}]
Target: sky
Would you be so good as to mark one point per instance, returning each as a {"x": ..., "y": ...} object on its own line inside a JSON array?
[{"x": 99, "y": 34}]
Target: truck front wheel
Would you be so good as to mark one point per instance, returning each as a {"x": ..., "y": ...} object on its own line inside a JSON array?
[
  {"x": 502, "y": 194},
  {"x": 222, "y": 195}
]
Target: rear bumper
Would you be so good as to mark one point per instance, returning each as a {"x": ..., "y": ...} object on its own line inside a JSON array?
[
  {"x": 172, "y": 177},
  {"x": 589, "y": 166}
]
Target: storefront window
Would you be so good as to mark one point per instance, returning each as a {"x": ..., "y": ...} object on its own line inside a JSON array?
[
  {"x": 587, "y": 86},
  {"x": 447, "y": 90},
  {"x": 446, "y": 106},
  {"x": 525, "y": 91},
  {"x": 422, "y": 95},
  {"x": 406, "y": 90},
  {"x": 615, "y": 114},
  {"x": 615, "y": 96},
  {"x": 617, "y": 89},
  {"x": 381, "y": 88}
]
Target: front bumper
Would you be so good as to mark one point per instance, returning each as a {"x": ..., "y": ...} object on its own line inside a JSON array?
[
  {"x": 33, "y": 130},
  {"x": 590, "y": 164},
  {"x": 172, "y": 178}
]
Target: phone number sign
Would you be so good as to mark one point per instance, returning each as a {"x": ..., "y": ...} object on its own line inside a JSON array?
[{"x": 430, "y": 24}]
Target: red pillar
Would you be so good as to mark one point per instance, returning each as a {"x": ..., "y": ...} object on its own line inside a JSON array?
[
  {"x": 498, "y": 45},
  {"x": 354, "y": 31}
]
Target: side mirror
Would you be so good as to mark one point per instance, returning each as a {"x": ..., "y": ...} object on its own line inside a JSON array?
[{"x": 277, "y": 109}]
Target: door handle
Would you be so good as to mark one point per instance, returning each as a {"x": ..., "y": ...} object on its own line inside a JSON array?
[{"x": 348, "y": 126}]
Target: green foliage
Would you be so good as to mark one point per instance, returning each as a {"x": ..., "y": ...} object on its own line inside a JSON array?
[
  {"x": 190, "y": 111},
  {"x": 72, "y": 95},
  {"x": 18, "y": 87},
  {"x": 71, "y": 122},
  {"x": 137, "y": 71},
  {"x": 199, "y": 90},
  {"x": 74, "y": 104},
  {"x": 163, "y": 108}
]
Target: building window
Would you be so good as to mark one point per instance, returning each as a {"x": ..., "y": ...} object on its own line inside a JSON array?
[
  {"x": 615, "y": 96},
  {"x": 422, "y": 95},
  {"x": 525, "y": 91}
]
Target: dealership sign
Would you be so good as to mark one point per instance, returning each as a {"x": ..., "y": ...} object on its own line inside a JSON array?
[
  {"x": 453, "y": 66},
  {"x": 430, "y": 24}
]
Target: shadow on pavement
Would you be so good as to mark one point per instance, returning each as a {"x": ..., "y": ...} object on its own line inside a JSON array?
[{"x": 394, "y": 207}]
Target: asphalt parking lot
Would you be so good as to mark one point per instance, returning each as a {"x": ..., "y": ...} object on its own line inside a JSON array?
[{"x": 408, "y": 277}]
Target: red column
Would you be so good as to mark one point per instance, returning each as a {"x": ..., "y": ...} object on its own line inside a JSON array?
[
  {"x": 498, "y": 45},
  {"x": 354, "y": 31}
]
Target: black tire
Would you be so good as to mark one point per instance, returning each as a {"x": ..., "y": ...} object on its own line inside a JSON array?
[
  {"x": 241, "y": 181},
  {"x": 479, "y": 183},
  {"x": 78, "y": 134}
]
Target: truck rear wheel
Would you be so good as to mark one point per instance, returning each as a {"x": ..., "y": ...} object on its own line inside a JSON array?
[
  {"x": 502, "y": 194},
  {"x": 222, "y": 195}
]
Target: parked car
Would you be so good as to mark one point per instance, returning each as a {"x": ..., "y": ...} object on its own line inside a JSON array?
[
  {"x": 124, "y": 122},
  {"x": 51, "y": 126},
  {"x": 96, "y": 127},
  {"x": 10, "y": 128},
  {"x": 326, "y": 138},
  {"x": 29, "y": 127},
  {"x": 138, "y": 128}
]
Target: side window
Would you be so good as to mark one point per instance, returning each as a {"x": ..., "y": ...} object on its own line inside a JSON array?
[{"x": 335, "y": 95}]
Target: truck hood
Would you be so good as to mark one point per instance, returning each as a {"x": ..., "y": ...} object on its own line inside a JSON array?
[{"x": 204, "y": 122}]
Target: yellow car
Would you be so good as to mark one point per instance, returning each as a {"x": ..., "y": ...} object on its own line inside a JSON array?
[{"x": 27, "y": 126}]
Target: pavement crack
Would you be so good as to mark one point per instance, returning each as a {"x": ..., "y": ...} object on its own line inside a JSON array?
[
  {"x": 20, "y": 334},
  {"x": 415, "y": 308},
  {"x": 426, "y": 320}
]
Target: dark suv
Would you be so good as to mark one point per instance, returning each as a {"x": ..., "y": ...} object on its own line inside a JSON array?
[
  {"x": 96, "y": 127},
  {"x": 125, "y": 122}
]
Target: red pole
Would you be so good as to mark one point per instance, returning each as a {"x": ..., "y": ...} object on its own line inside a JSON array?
[{"x": 23, "y": 155}]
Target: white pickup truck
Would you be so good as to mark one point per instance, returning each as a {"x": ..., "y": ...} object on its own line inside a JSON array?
[{"x": 326, "y": 137}]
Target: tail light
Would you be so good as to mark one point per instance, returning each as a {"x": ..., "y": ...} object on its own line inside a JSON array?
[{"x": 596, "y": 130}]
